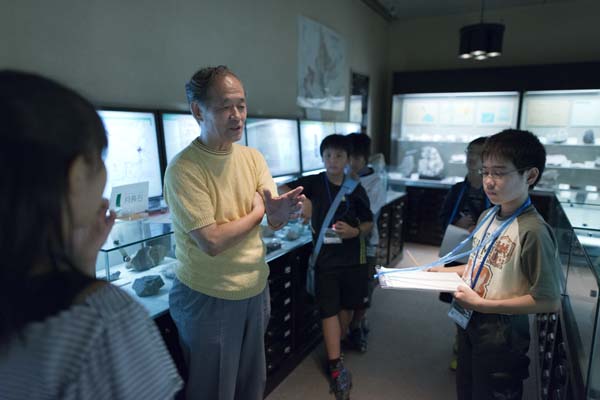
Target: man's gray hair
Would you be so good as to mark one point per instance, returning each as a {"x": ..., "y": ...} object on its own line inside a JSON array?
[{"x": 197, "y": 88}]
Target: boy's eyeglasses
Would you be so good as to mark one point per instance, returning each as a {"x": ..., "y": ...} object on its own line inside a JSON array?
[{"x": 497, "y": 175}]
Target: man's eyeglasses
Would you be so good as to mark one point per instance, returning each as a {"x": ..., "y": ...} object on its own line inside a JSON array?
[{"x": 498, "y": 175}]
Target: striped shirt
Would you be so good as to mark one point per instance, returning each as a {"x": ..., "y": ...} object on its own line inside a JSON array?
[{"x": 104, "y": 348}]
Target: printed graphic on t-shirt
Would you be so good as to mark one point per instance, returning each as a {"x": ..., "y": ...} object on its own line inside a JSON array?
[
  {"x": 500, "y": 255},
  {"x": 502, "y": 252}
]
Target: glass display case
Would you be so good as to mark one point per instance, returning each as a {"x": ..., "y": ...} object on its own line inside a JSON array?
[
  {"x": 568, "y": 123},
  {"x": 139, "y": 257},
  {"x": 436, "y": 127},
  {"x": 577, "y": 229},
  {"x": 286, "y": 239}
]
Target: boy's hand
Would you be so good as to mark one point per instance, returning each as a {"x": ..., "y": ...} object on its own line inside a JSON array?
[
  {"x": 439, "y": 268},
  {"x": 345, "y": 231},
  {"x": 468, "y": 298}
]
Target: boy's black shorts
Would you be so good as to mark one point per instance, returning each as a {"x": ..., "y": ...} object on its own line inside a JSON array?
[{"x": 342, "y": 287}]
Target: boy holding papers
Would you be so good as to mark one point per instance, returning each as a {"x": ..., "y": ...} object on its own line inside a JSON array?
[{"x": 513, "y": 271}]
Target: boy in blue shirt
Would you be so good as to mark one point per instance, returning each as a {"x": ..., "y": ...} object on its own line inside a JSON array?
[
  {"x": 341, "y": 278},
  {"x": 513, "y": 273}
]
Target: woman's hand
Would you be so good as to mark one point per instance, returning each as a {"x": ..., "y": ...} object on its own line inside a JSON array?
[{"x": 88, "y": 240}]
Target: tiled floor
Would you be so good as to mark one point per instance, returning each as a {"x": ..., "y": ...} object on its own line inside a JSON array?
[{"x": 409, "y": 350}]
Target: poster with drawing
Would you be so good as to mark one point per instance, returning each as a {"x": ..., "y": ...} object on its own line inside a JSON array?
[{"x": 322, "y": 72}]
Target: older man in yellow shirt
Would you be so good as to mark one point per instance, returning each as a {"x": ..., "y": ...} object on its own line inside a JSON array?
[{"x": 218, "y": 192}]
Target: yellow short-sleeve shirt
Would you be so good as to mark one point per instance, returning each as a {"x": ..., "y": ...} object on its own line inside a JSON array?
[{"x": 202, "y": 187}]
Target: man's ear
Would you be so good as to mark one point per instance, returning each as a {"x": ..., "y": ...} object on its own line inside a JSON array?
[
  {"x": 532, "y": 175},
  {"x": 196, "y": 111}
]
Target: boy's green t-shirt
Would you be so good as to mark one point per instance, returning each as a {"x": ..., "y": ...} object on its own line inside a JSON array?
[{"x": 524, "y": 260}]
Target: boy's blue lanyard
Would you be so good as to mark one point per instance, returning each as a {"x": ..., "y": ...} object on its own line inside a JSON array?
[
  {"x": 453, "y": 255},
  {"x": 495, "y": 237},
  {"x": 458, "y": 200},
  {"x": 326, "y": 181}
]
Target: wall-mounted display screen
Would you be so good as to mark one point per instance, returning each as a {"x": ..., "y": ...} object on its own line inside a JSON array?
[
  {"x": 132, "y": 154},
  {"x": 311, "y": 135},
  {"x": 277, "y": 140},
  {"x": 569, "y": 117},
  {"x": 453, "y": 117},
  {"x": 179, "y": 130},
  {"x": 346, "y": 128}
]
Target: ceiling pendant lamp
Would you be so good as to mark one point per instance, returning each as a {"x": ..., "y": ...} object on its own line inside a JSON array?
[{"x": 481, "y": 41}]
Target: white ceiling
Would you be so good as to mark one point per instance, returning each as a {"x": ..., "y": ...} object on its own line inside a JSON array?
[{"x": 411, "y": 9}]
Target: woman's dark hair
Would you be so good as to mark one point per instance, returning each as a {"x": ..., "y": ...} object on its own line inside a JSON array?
[
  {"x": 198, "y": 86},
  {"x": 522, "y": 148},
  {"x": 361, "y": 145},
  {"x": 44, "y": 127},
  {"x": 336, "y": 141}
]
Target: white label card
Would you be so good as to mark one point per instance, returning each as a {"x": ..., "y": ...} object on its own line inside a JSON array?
[{"x": 129, "y": 199}]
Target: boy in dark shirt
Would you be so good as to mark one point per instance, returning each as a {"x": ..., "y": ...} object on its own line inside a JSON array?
[
  {"x": 341, "y": 270},
  {"x": 466, "y": 200}
]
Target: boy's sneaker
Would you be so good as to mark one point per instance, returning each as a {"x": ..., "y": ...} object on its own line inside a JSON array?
[
  {"x": 365, "y": 326},
  {"x": 358, "y": 339},
  {"x": 453, "y": 363},
  {"x": 341, "y": 382}
]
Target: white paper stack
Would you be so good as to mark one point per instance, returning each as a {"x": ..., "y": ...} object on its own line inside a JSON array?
[{"x": 394, "y": 278}]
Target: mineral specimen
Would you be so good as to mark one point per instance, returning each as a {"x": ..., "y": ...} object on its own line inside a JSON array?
[
  {"x": 148, "y": 257},
  {"x": 148, "y": 285},
  {"x": 588, "y": 137}
]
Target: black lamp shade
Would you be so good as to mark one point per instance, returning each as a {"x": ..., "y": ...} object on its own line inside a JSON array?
[{"x": 479, "y": 40}]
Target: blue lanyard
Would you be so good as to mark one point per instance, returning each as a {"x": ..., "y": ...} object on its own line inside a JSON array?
[
  {"x": 331, "y": 199},
  {"x": 455, "y": 255},
  {"x": 493, "y": 238}
]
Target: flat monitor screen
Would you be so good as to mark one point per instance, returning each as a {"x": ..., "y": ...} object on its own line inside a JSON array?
[
  {"x": 277, "y": 140},
  {"x": 312, "y": 134},
  {"x": 132, "y": 154},
  {"x": 179, "y": 131},
  {"x": 346, "y": 128}
]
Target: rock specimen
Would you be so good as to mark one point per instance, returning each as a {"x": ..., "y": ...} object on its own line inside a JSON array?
[
  {"x": 148, "y": 285},
  {"x": 588, "y": 137},
  {"x": 148, "y": 257}
]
